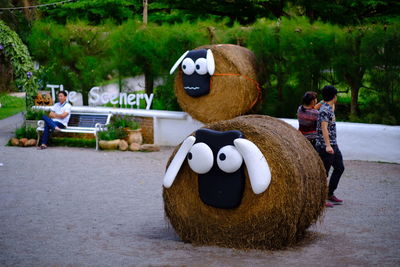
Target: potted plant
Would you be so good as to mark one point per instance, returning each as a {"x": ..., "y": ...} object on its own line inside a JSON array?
[
  {"x": 134, "y": 133},
  {"x": 111, "y": 138},
  {"x": 132, "y": 128}
]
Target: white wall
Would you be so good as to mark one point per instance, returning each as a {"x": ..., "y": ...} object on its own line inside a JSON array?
[
  {"x": 171, "y": 132},
  {"x": 357, "y": 141},
  {"x": 371, "y": 142}
]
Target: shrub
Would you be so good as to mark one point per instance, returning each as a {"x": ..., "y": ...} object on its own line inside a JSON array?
[
  {"x": 73, "y": 142},
  {"x": 26, "y": 132},
  {"x": 33, "y": 114},
  {"x": 120, "y": 121},
  {"x": 112, "y": 133},
  {"x": 16, "y": 52}
]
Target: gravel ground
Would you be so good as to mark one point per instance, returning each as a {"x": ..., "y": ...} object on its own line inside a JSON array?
[{"x": 73, "y": 207}]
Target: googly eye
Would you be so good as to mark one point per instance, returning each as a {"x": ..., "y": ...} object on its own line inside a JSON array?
[
  {"x": 229, "y": 159},
  {"x": 201, "y": 66},
  {"x": 200, "y": 158},
  {"x": 188, "y": 66}
]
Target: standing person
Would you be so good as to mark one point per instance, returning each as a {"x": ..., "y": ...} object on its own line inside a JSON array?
[
  {"x": 326, "y": 141},
  {"x": 307, "y": 115},
  {"x": 57, "y": 119}
]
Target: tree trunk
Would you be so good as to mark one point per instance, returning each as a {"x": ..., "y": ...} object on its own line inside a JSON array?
[
  {"x": 145, "y": 5},
  {"x": 148, "y": 82},
  {"x": 211, "y": 34},
  {"x": 280, "y": 85},
  {"x": 355, "y": 85},
  {"x": 355, "y": 76},
  {"x": 85, "y": 97},
  {"x": 354, "y": 101},
  {"x": 6, "y": 74}
]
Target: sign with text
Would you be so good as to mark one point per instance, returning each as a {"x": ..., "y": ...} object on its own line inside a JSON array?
[{"x": 99, "y": 97}]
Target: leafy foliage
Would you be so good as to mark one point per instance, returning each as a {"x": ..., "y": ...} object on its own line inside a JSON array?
[
  {"x": 32, "y": 114},
  {"x": 17, "y": 53},
  {"x": 113, "y": 133},
  {"x": 72, "y": 55},
  {"x": 72, "y": 142},
  {"x": 297, "y": 56},
  {"x": 120, "y": 121},
  {"x": 93, "y": 11},
  {"x": 26, "y": 132}
]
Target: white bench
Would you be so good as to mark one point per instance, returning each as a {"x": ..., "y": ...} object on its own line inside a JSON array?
[{"x": 90, "y": 123}]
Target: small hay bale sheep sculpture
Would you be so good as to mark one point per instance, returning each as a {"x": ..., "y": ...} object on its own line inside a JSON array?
[
  {"x": 217, "y": 82},
  {"x": 249, "y": 182}
]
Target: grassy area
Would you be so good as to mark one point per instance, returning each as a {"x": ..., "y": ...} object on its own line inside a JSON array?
[
  {"x": 72, "y": 142},
  {"x": 10, "y": 105}
]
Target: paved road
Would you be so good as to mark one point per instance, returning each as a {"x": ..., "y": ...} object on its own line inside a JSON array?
[{"x": 78, "y": 207}]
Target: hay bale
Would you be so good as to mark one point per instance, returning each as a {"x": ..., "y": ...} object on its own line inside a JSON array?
[
  {"x": 273, "y": 219},
  {"x": 14, "y": 141},
  {"x": 123, "y": 145},
  {"x": 234, "y": 90}
]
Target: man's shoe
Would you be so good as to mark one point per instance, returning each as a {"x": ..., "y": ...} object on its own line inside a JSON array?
[
  {"x": 42, "y": 147},
  {"x": 334, "y": 200},
  {"x": 328, "y": 205}
]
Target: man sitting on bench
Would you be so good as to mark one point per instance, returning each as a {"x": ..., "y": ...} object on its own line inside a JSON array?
[{"x": 58, "y": 118}]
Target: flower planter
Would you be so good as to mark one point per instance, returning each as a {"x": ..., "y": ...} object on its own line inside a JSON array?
[
  {"x": 113, "y": 144},
  {"x": 135, "y": 136}
]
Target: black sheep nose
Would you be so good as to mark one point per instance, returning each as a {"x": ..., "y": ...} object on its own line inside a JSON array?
[
  {"x": 220, "y": 189},
  {"x": 196, "y": 85}
]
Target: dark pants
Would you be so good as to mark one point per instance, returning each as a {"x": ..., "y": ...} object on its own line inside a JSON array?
[
  {"x": 49, "y": 126},
  {"x": 332, "y": 160},
  {"x": 313, "y": 143}
]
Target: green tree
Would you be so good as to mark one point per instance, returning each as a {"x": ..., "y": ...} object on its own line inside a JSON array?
[
  {"x": 151, "y": 49},
  {"x": 383, "y": 46},
  {"x": 95, "y": 12},
  {"x": 14, "y": 53},
  {"x": 19, "y": 21},
  {"x": 352, "y": 61},
  {"x": 72, "y": 55},
  {"x": 352, "y": 12}
]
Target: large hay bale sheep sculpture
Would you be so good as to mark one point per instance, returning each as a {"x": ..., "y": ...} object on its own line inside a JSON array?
[
  {"x": 249, "y": 182},
  {"x": 216, "y": 82}
]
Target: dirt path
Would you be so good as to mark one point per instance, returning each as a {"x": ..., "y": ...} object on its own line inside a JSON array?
[{"x": 67, "y": 206}]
